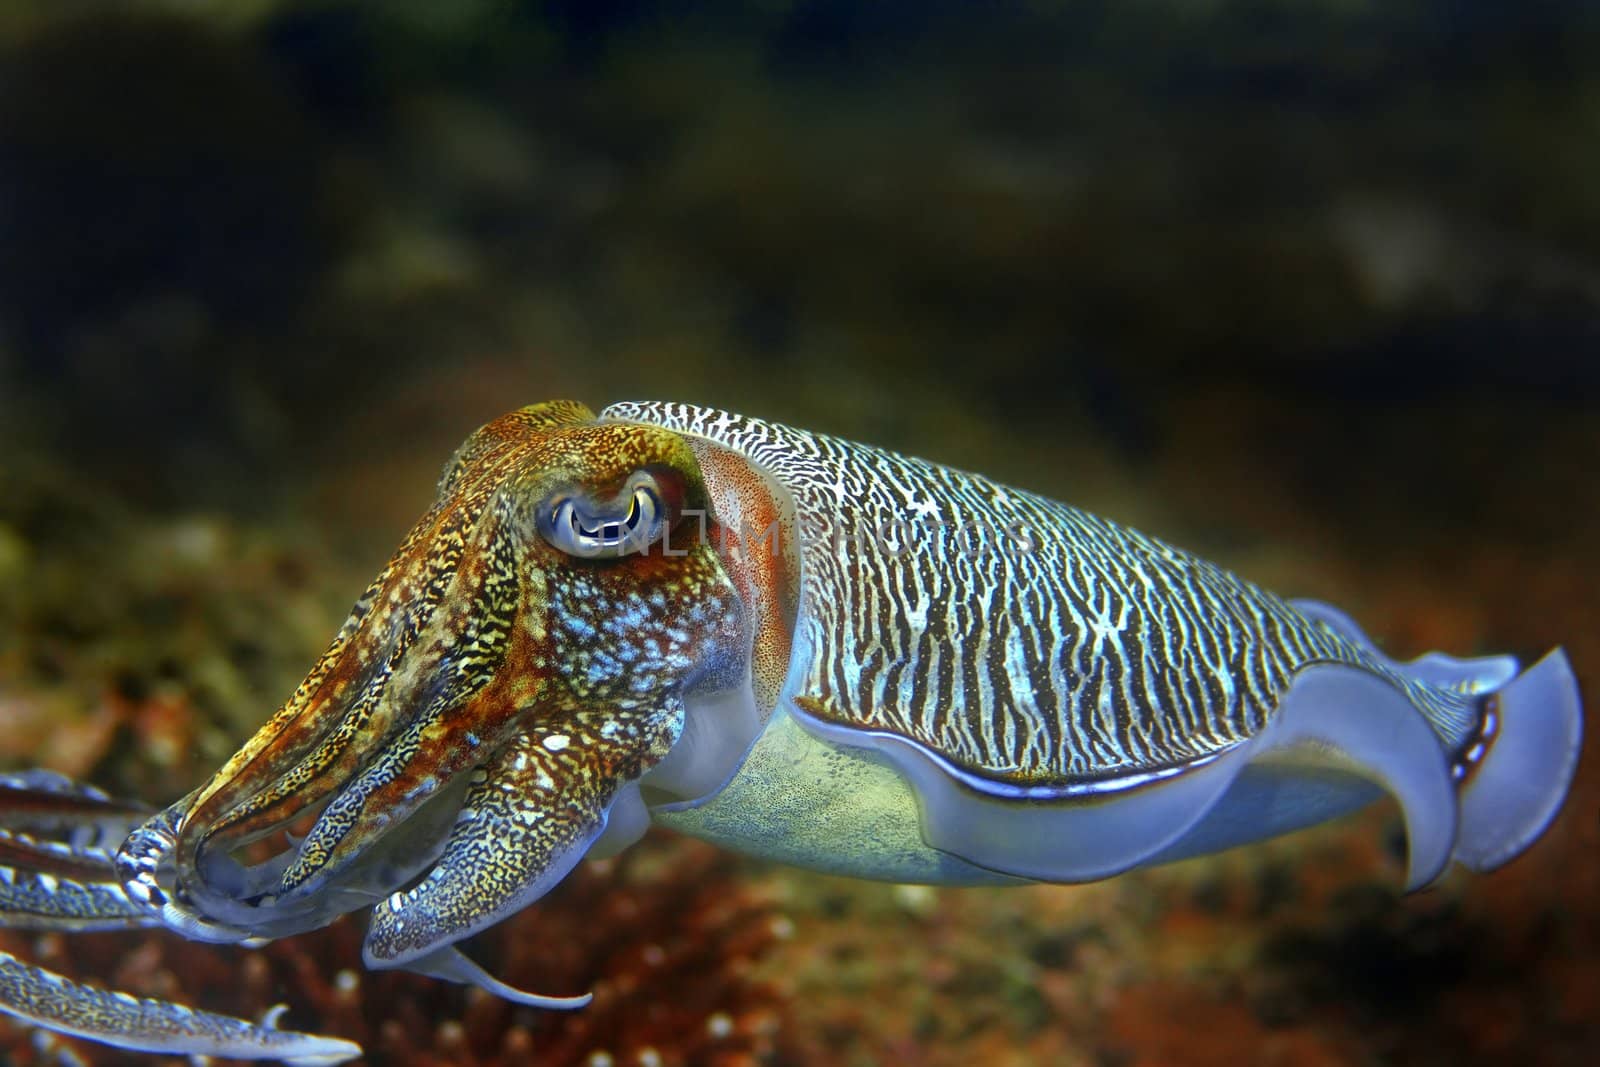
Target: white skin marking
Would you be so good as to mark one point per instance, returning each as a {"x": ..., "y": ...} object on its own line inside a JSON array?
[
  {"x": 556, "y": 742},
  {"x": 915, "y": 504},
  {"x": 1102, "y": 625}
]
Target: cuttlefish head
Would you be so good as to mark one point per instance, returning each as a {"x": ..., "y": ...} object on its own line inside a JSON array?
[{"x": 524, "y": 656}]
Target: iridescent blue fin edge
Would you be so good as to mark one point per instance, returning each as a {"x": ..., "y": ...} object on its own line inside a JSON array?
[{"x": 1532, "y": 756}]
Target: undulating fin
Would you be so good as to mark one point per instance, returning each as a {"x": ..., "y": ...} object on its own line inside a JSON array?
[
  {"x": 1514, "y": 776},
  {"x": 1533, "y": 736},
  {"x": 1480, "y": 674},
  {"x": 1089, "y": 837},
  {"x": 1338, "y": 728},
  {"x": 141, "y": 1024},
  {"x": 1344, "y": 720},
  {"x": 530, "y": 815}
]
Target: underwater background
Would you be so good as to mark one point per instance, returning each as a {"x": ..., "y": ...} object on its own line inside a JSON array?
[{"x": 1312, "y": 289}]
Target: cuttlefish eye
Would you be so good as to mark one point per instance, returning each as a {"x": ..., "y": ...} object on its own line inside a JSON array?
[{"x": 631, "y": 522}]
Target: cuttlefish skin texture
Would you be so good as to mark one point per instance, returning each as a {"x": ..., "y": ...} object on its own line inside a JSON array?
[{"x": 800, "y": 647}]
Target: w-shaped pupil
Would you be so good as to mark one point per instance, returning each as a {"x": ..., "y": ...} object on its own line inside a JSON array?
[{"x": 613, "y": 530}]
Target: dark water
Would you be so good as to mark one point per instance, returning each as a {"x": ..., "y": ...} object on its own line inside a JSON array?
[{"x": 1311, "y": 288}]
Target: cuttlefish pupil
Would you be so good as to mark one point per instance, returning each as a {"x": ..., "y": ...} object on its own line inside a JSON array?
[{"x": 587, "y": 531}]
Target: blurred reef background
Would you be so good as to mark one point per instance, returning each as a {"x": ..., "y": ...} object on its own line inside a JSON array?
[{"x": 1311, "y": 288}]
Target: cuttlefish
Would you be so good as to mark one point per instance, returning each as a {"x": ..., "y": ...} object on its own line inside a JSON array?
[{"x": 792, "y": 645}]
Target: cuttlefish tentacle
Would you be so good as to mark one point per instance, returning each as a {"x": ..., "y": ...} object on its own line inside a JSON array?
[
  {"x": 55, "y": 886},
  {"x": 352, "y": 711},
  {"x": 149, "y": 1025},
  {"x": 57, "y": 864},
  {"x": 57, "y": 872}
]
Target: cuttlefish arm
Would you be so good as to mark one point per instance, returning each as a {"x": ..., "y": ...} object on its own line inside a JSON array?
[
  {"x": 58, "y": 873},
  {"x": 56, "y": 858},
  {"x": 530, "y": 815}
]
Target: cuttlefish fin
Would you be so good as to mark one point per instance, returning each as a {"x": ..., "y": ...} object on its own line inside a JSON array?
[
  {"x": 1477, "y": 674},
  {"x": 1345, "y": 719},
  {"x": 531, "y": 813},
  {"x": 1340, "y": 736},
  {"x": 1531, "y": 735},
  {"x": 1533, "y": 744}
]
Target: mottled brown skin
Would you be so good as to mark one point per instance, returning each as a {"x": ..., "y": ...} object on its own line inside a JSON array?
[{"x": 478, "y": 635}]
